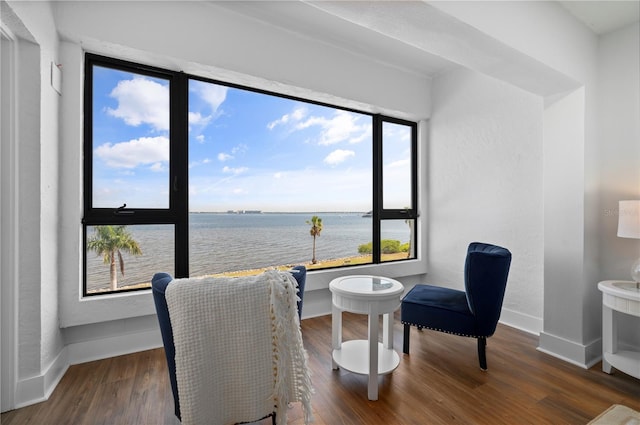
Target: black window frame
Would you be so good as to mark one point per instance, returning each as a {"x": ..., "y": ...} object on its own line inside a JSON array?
[
  {"x": 379, "y": 212},
  {"x": 177, "y": 214}
]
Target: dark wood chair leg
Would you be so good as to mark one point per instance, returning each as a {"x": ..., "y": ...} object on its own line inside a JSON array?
[
  {"x": 482, "y": 354},
  {"x": 405, "y": 342}
]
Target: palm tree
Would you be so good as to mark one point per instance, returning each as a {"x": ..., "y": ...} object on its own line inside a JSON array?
[
  {"x": 316, "y": 228},
  {"x": 109, "y": 241}
]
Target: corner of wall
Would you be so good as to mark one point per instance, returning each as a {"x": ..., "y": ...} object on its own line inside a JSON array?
[
  {"x": 38, "y": 388},
  {"x": 584, "y": 356}
]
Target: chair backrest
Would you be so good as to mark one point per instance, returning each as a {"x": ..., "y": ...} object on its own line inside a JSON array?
[
  {"x": 159, "y": 284},
  {"x": 300, "y": 274},
  {"x": 485, "y": 273}
]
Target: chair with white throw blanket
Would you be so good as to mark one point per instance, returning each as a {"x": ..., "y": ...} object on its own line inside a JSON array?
[{"x": 239, "y": 355}]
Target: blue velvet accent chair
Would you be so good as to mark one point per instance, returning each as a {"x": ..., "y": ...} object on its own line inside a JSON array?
[
  {"x": 473, "y": 312},
  {"x": 159, "y": 284}
]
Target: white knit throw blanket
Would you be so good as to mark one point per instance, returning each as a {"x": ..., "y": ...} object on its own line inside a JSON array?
[{"x": 239, "y": 353}]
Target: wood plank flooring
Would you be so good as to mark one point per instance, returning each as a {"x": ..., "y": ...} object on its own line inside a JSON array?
[{"x": 438, "y": 383}]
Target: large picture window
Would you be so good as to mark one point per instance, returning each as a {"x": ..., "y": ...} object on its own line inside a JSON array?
[{"x": 197, "y": 177}]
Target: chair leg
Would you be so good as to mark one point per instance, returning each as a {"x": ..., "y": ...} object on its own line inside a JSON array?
[
  {"x": 405, "y": 342},
  {"x": 482, "y": 354}
]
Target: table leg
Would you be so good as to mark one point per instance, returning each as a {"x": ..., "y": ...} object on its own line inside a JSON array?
[
  {"x": 373, "y": 356},
  {"x": 609, "y": 336},
  {"x": 336, "y": 332},
  {"x": 387, "y": 331}
]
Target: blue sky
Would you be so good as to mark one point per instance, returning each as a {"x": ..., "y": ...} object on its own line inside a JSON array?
[{"x": 246, "y": 150}]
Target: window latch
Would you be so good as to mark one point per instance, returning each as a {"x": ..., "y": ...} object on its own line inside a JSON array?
[{"x": 121, "y": 211}]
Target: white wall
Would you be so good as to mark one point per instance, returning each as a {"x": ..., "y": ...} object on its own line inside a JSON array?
[
  {"x": 39, "y": 339},
  {"x": 571, "y": 172},
  {"x": 485, "y": 184},
  {"x": 564, "y": 240},
  {"x": 618, "y": 154}
]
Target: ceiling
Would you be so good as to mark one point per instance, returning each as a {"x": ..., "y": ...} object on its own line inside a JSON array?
[
  {"x": 423, "y": 39},
  {"x": 604, "y": 16},
  {"x": 361, "y": 26}
]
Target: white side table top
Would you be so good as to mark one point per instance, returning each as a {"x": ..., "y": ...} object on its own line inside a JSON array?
[
  {"x": 365, "y": 286},
  {"x": 620, "y": 288},
  {"x": 621, "y": 295}
]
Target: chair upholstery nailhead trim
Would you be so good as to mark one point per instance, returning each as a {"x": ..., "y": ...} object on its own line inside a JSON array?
[{"x": 447, "y": 332}]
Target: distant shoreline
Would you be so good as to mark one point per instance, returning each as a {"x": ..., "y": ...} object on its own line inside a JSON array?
[{"x": 336, "y": 262}]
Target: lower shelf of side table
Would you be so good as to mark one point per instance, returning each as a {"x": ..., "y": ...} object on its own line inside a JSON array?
[
  {"x": 625, "y": 361},
  {"x": 353, "y": 356}
]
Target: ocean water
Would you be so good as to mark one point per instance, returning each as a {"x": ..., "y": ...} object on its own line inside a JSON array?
[{"x": 228, "y": 242}]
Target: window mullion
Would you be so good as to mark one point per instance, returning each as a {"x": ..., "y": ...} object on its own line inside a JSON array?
[
  {"x": 179, "y": 187},
  {"x": 377, "y": 188}
]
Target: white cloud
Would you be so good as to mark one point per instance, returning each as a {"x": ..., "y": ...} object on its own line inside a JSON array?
[
  {"x": 213, "y": 94},
  {"x": 396, "y": 133},
  {"x": 158, "y": 167},
  {"x": 296, "y": 115},
  {"x": 145, "y": 150},
  {"x": 197, "y": 163},
  {"x": 240, "y": 149},
  {"x": 338, "y": 156},
  {"x": 235, "y": 171},
  {"x": 141, "y": 101},
  {"x": 366, "y": 132},
  {"x": 224, "y": 157},
  {"x": 343, "y": 126},
  {"x": 196, "y": 118}
]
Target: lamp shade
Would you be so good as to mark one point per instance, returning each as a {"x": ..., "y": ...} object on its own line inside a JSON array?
[{"x": 629, "y": 219}]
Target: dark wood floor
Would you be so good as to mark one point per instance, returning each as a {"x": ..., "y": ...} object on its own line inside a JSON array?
[{"x": 439, "y": 383}]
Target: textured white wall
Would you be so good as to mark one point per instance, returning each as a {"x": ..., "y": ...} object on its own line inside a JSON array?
[
  {"x": 39, "y": 337},
  {"x": 572, "y": 168},
  {"x": 485, "y": 184},
  {"x": 29, "y": 256}
]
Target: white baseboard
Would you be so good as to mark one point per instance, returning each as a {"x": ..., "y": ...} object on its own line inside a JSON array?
[
  {"x": 524, "y": 322},
  {"x": 87, "y": 351},
  {"x": 584, "y": 356},
  {"x": 38, "y": 388}
]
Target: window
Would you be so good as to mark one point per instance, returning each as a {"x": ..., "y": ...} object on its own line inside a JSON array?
[{"x": 198, "y": 177}]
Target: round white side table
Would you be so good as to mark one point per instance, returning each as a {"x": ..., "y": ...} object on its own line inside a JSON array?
[
  {"x": 622, "y": 296},
  {"x": 371, "y": 295}
]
